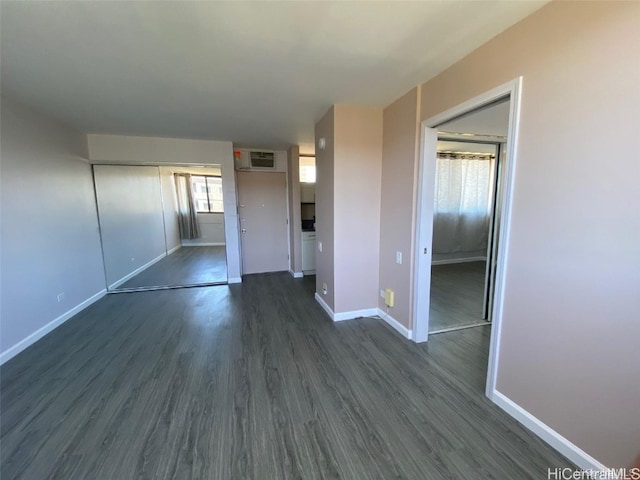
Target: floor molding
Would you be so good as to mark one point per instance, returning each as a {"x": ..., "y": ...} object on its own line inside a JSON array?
[
  {"x": 396, "y": 325},
  {"x": 129, "y": 276},
  {"x": 42, "y": 331},
  {"x": 367, "y": 312},
  {"x": 574, "y": 453},
  {"x": 325, "y": 307},
  {"x": 234, "y": 280},
  {"x": 296, "y": 274},
  {"x": 174, "y": 249},
  {"x": 341, "y": 316}
]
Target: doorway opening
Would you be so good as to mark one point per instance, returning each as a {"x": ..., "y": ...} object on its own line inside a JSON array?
[
  {"x": 308, "y": 214},
  {"x": 479, "y": 228},
  {"x": 161, "y": 227}
]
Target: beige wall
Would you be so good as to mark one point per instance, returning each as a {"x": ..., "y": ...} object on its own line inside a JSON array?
[
  {"x": 357, "y": 170},
  {"x": 295, "y": 225},
  {"x": 348, "y": 207},
  {"x": 157, "y": 150},
  {"x": 399, "y": 170},
  {"x": 324, "y": 208},
  {"x": 50, "y": 242},
  {"x": 570, "y": 328}
]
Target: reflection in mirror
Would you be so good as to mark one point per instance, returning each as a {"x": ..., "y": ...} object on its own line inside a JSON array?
[
  {"x": 463, "y": 210},
  {"x": 466, "y": 217},
  {"x": 161, "y": 227}
]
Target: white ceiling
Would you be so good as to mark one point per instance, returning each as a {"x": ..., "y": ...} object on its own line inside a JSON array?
[{"x": 257, "y": 73}]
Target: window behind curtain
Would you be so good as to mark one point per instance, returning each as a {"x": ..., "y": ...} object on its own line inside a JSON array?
[
  {"x": 462, "y": 185},
  {"x": 461, "y": 203},
  {"x": 307, "y": 169},
  {"x": 207, "y": 193}
]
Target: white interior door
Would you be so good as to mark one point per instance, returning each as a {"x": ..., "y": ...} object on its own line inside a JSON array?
[
  {"x": 262, "y": 200},
  {"x": 424, "y": 241}
]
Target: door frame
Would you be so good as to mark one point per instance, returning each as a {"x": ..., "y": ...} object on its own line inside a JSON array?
[{"x": 424, "y": 215}]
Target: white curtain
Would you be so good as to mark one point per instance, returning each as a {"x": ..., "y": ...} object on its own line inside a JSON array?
[{"x": 462, "y": 202}]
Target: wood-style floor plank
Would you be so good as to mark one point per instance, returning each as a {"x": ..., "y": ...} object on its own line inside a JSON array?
[
  {"x": 457, "y": 294},
  {"x": 253, "y": 381}
]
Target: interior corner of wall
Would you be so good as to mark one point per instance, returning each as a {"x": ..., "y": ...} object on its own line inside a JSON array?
[{"x": 418, "y": 104}]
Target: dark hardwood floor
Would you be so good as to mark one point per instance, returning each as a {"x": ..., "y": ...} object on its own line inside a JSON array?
[
  {"x": 185, "y": 266},
  {"x": 253, "y": 381},
  {"x": 457, "y": 293}
]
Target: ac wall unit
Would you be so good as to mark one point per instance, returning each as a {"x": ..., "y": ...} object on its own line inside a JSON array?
[
  {"x": 254, "y": 160},
  {"x": 262, "y": 160}
]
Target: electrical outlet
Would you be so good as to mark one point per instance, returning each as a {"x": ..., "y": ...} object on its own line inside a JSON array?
[
  {"x": 389, "y": 297},
  {"x": 60, "y": 297},
  {"x": 399, "y": 258},
  {"x": 324, "y": 289},
  {"x": 319, "y": 246},
  {"x": 381, "y": 293}
]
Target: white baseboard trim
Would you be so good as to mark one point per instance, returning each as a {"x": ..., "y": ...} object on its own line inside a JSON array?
[
  {"x": 324, "y": 306},
  {"x": 308, "y": 272},
  {"x": 204, "y": 244},
  {"x": 458, "y": 260},
  {"x": 296, "y": 274},
  {"x": 174, "y": 249},
  {"x": 574, "y": 453},
  {"x": 367, "y": 312},
  {"x": 41, "y": 332},
  {"x": 341, "y": 316},
  {"x": 234, "y": 280},
  {"x": 396, "y": 325},
  {"x": 117, "y": 283}
]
